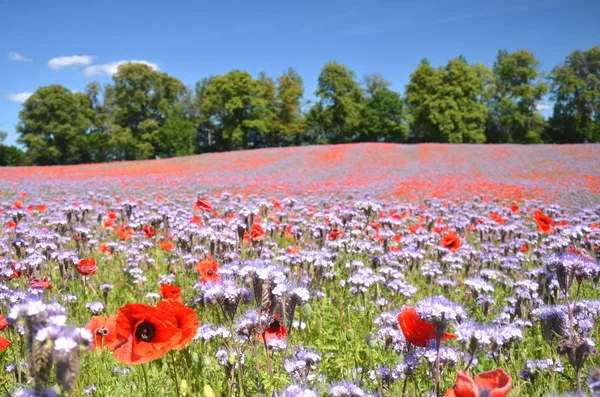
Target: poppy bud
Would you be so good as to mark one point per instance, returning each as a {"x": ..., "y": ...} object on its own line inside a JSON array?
[
  {"x": 183, "y": 387},
  {"x": 206, "y": 361},
  {"x": 207, "y": 391},
  {"x": 306, "y": 311},
  {"x": 231, "y": 359},
  {"x": 195, "y": 358},
  {"x": 350, "y": 335},
  {"x": 371, "y": 340}
]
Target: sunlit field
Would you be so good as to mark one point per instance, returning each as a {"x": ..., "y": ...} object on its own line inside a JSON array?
[{"x": 347, "y": 270}]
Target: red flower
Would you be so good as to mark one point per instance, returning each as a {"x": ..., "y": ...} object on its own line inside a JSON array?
[
  {"x": 544, "y": 222},
  {"x": 40, "y": 283},
  {"x": 18, "y": 204},
  {"x": 292, "y": 249},
  {"x": 203, "y": 204},
  {"x": 335, "y": 234},
  {"x": 112, "y": 215},
  {"x": 451, "y": 242},
  {"x": 187, "y": 321},
  {"x": 167, "y": 245},
  {"x": 11, "y": 225},
  {"x": 417, "y": 331},
  {"x": 42, "y": 207},
  {"x": 196, "y": 219},
  {"x": 275, "y": 331},
  {"x": 257, "y": 233},
  {"x": 171, "y": 292},
  {"x": 4, "y": 343},
  {"x": 207, "y": 269},
  {"x": 149, "y": 231},
  {"x": 107, "y": 223},
  {"x": 514, "y": 208},
  {"x": 124, "y": 232},
  {"x": 496, "y": 383},
  {"x": 3, "y": 322},
  {"x": 145, "y": 334},
  {"x": 104, "y": 332},
  {"x": 85, "y": 267}
]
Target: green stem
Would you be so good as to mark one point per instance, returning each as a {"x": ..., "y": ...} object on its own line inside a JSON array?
[
  {"x": 17, "y": 356},
  {"x": 146, "y": 380},
  {"x": 174, "y": 373}
]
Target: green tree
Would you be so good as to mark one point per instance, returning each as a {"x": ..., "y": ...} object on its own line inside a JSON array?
[
  {"x": 519, "y": 89},
  {"x": 445, "y": 105},
  {"x": 382, "y": 118},
  {"x": 340, "y": 103},
  {"x": 289, "y": 124},
  {"x": 575, "y": 88},
  {"x": 176, "y": 137},
  {"x": 53, "y": 126},
  {"x": 233, "y": 106},
  {"x": 9, "y": 155},
  {"x": 422, "y": 93},
  {"x": 143, "y": 99}
]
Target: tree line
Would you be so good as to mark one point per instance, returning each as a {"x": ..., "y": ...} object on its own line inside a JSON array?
[{"x": 145, "y": 114}]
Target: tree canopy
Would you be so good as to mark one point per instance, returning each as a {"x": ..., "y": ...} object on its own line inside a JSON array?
[{"x": 144, "y": 113}]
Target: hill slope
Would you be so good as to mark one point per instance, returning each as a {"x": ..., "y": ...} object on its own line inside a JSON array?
[{"x": 568, "y": 173}]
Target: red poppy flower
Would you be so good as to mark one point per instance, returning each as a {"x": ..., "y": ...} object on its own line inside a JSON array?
[
  {"x": 43, "y": 283},
  {"x": 207, "y": 269},
  {"x": 23, "y": 195},
  {"x": 451, "y": 242},
  {"x": 11, "y": 225},
  {"x": 112, "y": 215},
  {"x": 496, "y": 383},
  {"x": 335, "y": 234},
  {"x": 187, "y": 321},
  {"x": 544, "y": 222},
  {"x": 171, "y": 292},
  {"x": 257, "y": 233},
  {"x": 18, "y": 204},
  {"x": 42, "y": 208},
  {"x": 3, "y": 322},
  {"x": 145, "y": 334},
  {"x": 275, "y": 331},
  {"x": 203, "y": 204},
  {"x": 86, "y": 267},
  {"x": 417, "y": 331},
  {"x": 524, "y": 248},
  {"x": 167, "y": 245},
  {"x": 4, "y": 343},
  {"x": 104, "y": 332},
  {"x": 149, "y": 231},
  {"x": 196, "y": 219},
  {"x": 292, "y": 249},
  {"x": 107, "y": 223},
  {"x": 514, "y": 208},
  {"x": 124, "y": 232}
]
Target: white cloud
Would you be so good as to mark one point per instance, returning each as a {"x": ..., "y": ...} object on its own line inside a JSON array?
[
  {"x": 21, "y": 97},
  {"x": 15, "y": 56},
  {"x": 111, "y": 68},
  {"x": 73, "y": 60},
  {"x": 542, "y": 106}
]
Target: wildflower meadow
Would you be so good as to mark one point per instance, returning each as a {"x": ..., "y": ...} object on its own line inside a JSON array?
[{"x": 343, "y": 271}]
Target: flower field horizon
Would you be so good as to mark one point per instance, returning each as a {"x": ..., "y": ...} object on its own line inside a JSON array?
[{"x": 342, "y": 270}]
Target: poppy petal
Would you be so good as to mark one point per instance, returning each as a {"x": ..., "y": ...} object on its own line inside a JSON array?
[
  {"x": 497, "y": 381},
  {"x": 465, "y": 385}
]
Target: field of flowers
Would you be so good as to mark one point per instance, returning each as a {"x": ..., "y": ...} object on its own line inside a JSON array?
[{"x": 350, "y": 270}]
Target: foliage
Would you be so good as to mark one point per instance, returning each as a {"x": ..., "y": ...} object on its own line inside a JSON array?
[
  {"x": 575, "y": 88},
  {"x": 145, "y": 113},
  {"x": 53, "y": 126},
  {"x": 518, "y": 91}
]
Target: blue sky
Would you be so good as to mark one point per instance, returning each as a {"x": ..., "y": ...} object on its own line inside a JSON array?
[{"x": 194, "y": 39}]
